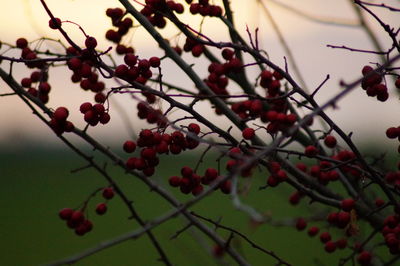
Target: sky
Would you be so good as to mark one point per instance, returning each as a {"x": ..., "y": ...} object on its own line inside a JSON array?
[{"x": 307, "y": 40}]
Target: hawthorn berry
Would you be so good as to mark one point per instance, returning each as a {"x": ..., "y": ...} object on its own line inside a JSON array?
[
  {"x": 83, "y": 228},
  {"x": 325, "y": 237},
  {"x": 195, "y": 128},
  {"x": 295, "y": 197},
  {"x": 366, "y": 69},
  {"x": 101, "y": 208},
  {"x": 330, "y": 246},
  {"x": 61, "y": 114},
  {"x": 226, "y": 187},
  {"x": 85, "y": 107},
  {"x": 301, "y": 224},
  {"x": 311, "y": 151},
  {"x": 343, "y": 218},
  {"x": 174, "y": 181},
  {"x": 248, "y": 133},
  {"x": 129, "y": 146},
  {"x": 66, "y": 213},
  {"x": 104, "y": 118},
  {"x": 364, "y": 258},
  {"x": 154, "y": 61},
  {"x": 108, "y": 193},
  {"x": 74, "y": 63},
  {"x": 197, "y": 50},
  {"x": 393, "y": 132},
  {"x": 21, "y": 43},
  {"x": 26, "y": 82},
  {"x": 121, "y": 71},
  {"x": 347, "y": 204},
  {"x": 330, "y": 141},
  {"x": 55, "y": 23},
  {"x": 227, "y": 53},
  {"x": 143, "y": 65},
  {"x": 313, "y": 231},
  {"x": 397, "y": 83},
  {"x": 77, "y": 217},
  {"x": 197, "y": 190}
]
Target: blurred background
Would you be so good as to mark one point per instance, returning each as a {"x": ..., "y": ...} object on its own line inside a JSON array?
[{"x": 35, "y": 167}]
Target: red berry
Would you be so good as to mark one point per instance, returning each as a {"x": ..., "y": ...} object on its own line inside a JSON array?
[
  {"x": 392, "y": 132},
  {"x": 60, "y": 114},
  {"x": 343, "y": 219},
  {"x": 121, "y": 71},
  {"x": 227, "y": 53},
  {"x": 44, "y": 87},
  {"x": 366, "y": 69},
  {"x": 266, "y": 76},
  {"x": 294, "y": 198},
  {"x": 330, "y": 141},
  {"x": 347, "y": 204},
  {"x": 143, "y": 65},
  {"x": 397, "y": 83},
  {"x": 77, "y": 217},
  {"x": 129, "y": 146},
  {"x": 108, "y": 193},
  {"x": 101, "y": 208},
  {"x": 197, "y": 190},
  {"x": 311, "y": 151},
  {"x": 330, "y": 246},
  {"x": 21, "y": 43},
  {"x": 85, "y": 107},
  {"x": 301, "y": 224},
  {"x": 55, "y": 24},
  {"x": 248, "y": 133},
  {"x": 325, "y": 237},
  {"x": 98, "y": 108},
  {"x": 148, "y": 153},
  {"x": 226, "y": 187},
  {"x": 174, "y": 181},
  {"x": 26, "y": 82},
  {"x": 313, "y": 231},
  {"x": 197, "y": 50},
  {"x": 195, "y": 128},
  {"x": 364, "y": 258},
  {"x": 281, "y": 175},
  {"x": 154, "y": 61},
  {"x": 104, "y": 118},
  {"x": 66, "y": 213},
  {"x": 130, "y": 59},
  {"x": 74, "y": 63}
]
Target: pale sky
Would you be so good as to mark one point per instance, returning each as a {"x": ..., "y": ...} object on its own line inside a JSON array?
[{"x": 307, "y": 40}]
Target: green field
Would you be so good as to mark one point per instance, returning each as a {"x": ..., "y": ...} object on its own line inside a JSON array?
[{"x": 37, "y": 183}]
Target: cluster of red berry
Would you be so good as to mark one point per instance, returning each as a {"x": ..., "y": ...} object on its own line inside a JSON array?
[
  {"x": 204, "y": 8},
  {"x": 37, "y": 84},
  {"x": 372, "y": 84},
  {"x": 152, "y": 116},
  {"x": 190, "y": 182},
  {"x": 153, "y": 143},
  {"x": 84, "y": 71},
  {"x": 59, "y": 122},
  {"x": 77, "y": 220},
  {"x": 93, "y": 114},
  {"x": 123, "y": 25},
  {"x": 136, "y": 69},
  {"x": 155, "y": 11}
]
